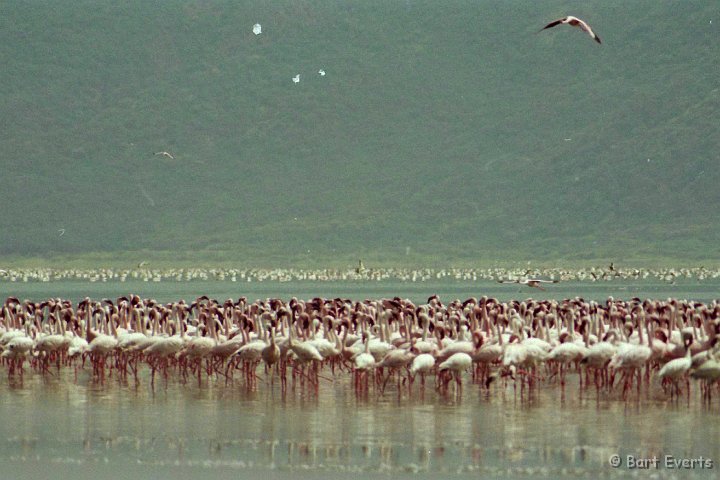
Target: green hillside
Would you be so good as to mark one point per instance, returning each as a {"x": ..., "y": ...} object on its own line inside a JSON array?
[{"x": 443, "y": 132}]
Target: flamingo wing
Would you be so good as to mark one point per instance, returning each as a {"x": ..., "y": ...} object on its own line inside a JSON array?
[
  {"x": 589, "y": 30},
  {"x": 552, "y": 24}
]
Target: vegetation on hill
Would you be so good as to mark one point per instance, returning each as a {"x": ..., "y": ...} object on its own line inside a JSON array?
[{"x": 443, "y": 132}]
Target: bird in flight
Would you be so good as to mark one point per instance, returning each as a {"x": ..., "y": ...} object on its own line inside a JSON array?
[
  {"x": 62, "y": 231},
  {"x": 530, "y": 282},
  {"x": 321, "y": 72},
  {"x": 257, "y": 29},
  {"x": 296, "y": 78},
  {"x": 574, "y": 22},
  {"x": 165, "y": 154}
]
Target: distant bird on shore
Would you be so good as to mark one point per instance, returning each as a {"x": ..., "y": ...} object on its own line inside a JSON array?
[
  {"x": 530, "y": 282},
  {"x": 574, "y": 22},
  {"x": 165, "y": 154}
]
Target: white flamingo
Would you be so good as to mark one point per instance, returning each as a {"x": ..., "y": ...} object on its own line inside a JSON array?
[
  {"x": 677, "y": 368},
  {"x": 457, "y": 363},
  {"x": 709, "y": 373},
  {"x": 422, "y": 364},
  {"x": 363, "y": 363}
]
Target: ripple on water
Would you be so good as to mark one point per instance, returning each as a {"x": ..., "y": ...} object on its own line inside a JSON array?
[{"x": 51, "y": 422}]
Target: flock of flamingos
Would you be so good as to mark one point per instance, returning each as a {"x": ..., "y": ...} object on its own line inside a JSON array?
[
  {"x": 148, "y": 273},
  {"x": 616, "y": 345}
]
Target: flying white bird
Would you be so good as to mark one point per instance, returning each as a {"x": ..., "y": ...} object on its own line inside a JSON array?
[
  {"x": 530, "y": 282},
  {"x": 257, "y": 29},
  {"x": 321, "y": 72},
  {"x": 165, "y": 154},
  {"x": 62, "y": 231},
  {"x": 574, "y": 22},
  {"x": 296, "y": 78}
]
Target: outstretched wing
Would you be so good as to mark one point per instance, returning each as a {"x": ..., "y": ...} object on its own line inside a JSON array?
[
  {"x": 535, "y": 284},
  {"x": 552, "y": 24},
  {"x": 589, "y": 30}
]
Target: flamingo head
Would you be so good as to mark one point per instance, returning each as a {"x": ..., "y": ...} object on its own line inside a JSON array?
[{"x": 478, "y": 338}]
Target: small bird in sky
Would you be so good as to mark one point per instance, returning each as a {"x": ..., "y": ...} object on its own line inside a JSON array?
[
  {"x": 296, "y": 78},
  {"x": 257, "y": 29},
  {"x": 530, "y": 282},
  {"x": 574, "y": 22},
  {"x": 142, "y": 264},
  {"x": 165, "y": 154},
  {"x": 321, "y": 72},
  {"x": 62, "y": 231}
]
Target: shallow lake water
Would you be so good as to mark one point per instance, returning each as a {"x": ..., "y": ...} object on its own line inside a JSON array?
[
  {"x": 213, "y": 430},
  {"x": 71, "y": 424},
  {"x": 446, "y": 289}
]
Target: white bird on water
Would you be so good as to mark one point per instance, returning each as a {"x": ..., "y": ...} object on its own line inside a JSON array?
[
  {"x": 321, "y": 72},
  {"x": 257, "y": 29},
  {"x": 574, "y": 22},
  {"x": 296, "y": 78},
  {"x": 165, "y": 154}
]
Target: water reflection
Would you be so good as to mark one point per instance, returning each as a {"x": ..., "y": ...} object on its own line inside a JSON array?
[{"x": 51, "y": 421}]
